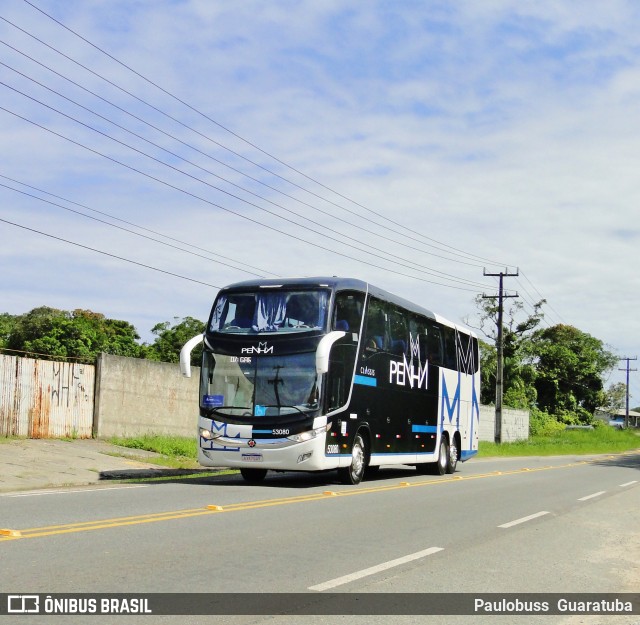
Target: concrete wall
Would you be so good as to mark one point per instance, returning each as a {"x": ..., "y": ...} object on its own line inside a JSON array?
[
  {"x": 136, "y": 396},
  {"x": 515, "y": 424}
]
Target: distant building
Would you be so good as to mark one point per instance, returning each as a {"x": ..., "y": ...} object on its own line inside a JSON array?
[{"x": 615, "y": 417}]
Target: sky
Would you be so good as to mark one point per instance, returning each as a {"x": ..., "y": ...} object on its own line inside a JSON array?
[{"x": 155, "y": 151}]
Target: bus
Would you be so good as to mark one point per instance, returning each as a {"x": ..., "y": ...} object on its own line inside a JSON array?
[{"x": 315, "y": 374}]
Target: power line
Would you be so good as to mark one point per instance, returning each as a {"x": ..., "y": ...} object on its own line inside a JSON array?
[
  {"x": 217, "y": 124},
  {"x": 122, "y": 258},
  {"x": 354, "y": 240},
  {"x": 451, "y": 257},
  {"x": 144, "y": 236},
  {"x": 246, "y": 217},
  {"x": 130, "y": 223}
]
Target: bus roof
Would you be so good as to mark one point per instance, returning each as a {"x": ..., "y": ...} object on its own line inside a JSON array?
[{"x": 341, "y": 284}]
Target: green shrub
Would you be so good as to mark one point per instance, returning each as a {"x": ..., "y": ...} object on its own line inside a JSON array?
[{"x": 543, "y": 424}]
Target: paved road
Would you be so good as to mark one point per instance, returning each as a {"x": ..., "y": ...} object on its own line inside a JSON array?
[{"x": 517, "y": 525}]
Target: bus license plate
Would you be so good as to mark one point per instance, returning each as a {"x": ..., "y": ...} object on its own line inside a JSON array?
[{"x": 252, "y": 457}]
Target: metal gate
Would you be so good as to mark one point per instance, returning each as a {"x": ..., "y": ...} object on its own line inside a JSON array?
[{"x": 45, "y": 399}]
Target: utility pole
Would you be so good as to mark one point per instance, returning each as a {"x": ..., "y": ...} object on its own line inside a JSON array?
[
  {"x": 500, "y": 369},
  {"x": 627, "y": 369}
]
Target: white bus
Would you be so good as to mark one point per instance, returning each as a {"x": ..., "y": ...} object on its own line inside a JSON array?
[{"x": 330, "y": 373}]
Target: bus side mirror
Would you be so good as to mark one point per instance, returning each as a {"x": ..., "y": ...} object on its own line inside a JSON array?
[
  {"x": 324, "y": 349},
  {"x": 185, "y": 355}
]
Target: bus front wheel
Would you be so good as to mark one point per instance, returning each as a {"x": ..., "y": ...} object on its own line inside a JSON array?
[
  {"x": 354, "y": 473},
  {"x": 253, "y": 476}
]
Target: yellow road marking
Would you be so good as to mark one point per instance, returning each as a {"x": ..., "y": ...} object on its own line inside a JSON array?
[{"x": 85, "y": 526}]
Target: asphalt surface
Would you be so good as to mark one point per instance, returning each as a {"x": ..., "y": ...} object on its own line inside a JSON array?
[{"x": 35, "y": 464}]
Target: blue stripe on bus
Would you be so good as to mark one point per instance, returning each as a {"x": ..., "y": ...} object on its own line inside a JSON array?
[
  {"x": 424, "y": 428},
  {"x": 262, "y": 431},
  {"x": 468, "y": 454},
  {"x": 365, "y": 380}
]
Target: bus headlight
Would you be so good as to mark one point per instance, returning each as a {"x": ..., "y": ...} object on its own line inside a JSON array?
[
  {"x": 208, "y": 434},
  {"x": 308, "y": 435}
]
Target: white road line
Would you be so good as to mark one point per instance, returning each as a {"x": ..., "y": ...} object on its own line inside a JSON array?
[
  {"x": 628, "y": 483},
  {"x": 602, "y": 492},
  {"x": 524, "y": 519},
  {"x": 345, "y": 579},
  {"x": 65, "y": 492}
]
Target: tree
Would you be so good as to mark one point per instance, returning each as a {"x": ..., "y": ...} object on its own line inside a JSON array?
[
  {"x": 570, "y": 365},
  {"x": 56, "y": 334},
  {"x": 171, "y": 338},
  {"x": 519, "y": 373},
  {"x": 488, "y": 367},
  {"x": 616, "y": 396},
  {"x": 7, "y": 322}
]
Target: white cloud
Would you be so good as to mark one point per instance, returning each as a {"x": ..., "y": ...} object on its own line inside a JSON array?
[{"x": 505, "y": 129}]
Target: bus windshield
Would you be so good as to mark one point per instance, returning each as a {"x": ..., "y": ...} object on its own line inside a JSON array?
[
  {"x": 260, "y": 386},
  {"x": 270, "y": 311}
]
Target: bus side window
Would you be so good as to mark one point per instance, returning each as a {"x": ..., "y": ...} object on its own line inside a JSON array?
[
  {"x": 375, "y": 337},
  {"x": 476, "y": 354},
  {"x": 465, "y": 355},
  {"x": 450, "y": 352},
  {"x": 347, "y": 315},
  {"x": 434, "y": 344},
  {"x": 397, "y": 331},
  {"x": 418, "y": 332}
]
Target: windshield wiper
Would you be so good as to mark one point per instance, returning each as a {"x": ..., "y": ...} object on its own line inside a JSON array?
[
  {"x": 281, "y": 406},
  {"x": 209, "y": 411}
]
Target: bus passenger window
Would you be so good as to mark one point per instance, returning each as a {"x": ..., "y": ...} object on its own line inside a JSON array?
[
  {"x": 376, "y": 327},
  {"x": 348, "y": 312},
  {"x": 398, "y": 331},
  {"x": 434, "y": 345}
]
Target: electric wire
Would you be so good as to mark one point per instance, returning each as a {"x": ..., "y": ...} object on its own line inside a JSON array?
[
  {"x": 336, "y": 232},
  {"x": 451, "y": 257},
  {"x": 130, "y": 223},
  {"x": 177, "y": 169},
  {"x": 195, "y": 196},
  {"x": 212, "y": 121},
  {"x": 122, "y": 258},
  {"x": 138, "y": 234},
  {"x": 207, "y": 117}
]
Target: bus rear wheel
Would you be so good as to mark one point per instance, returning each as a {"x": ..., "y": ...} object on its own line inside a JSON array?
[
  {"x": 354, "y": 473},
  {"x": 253, "y": 476}
]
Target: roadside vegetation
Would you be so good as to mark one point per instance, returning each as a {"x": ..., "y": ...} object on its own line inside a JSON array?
[
  {"x": 601, "y": 440},
  {"x": 176, "y": 452},
  {"x": 180, "y": 452}
]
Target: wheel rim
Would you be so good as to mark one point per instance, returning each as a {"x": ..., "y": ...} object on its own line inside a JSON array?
[
  {"x": 453, "y": 454},
  {"x": 442, "y": 456},
  {"x": 357, "y": 458}
]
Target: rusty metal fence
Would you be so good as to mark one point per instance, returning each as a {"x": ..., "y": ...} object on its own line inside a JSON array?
[{"x": 45, "y": 399}]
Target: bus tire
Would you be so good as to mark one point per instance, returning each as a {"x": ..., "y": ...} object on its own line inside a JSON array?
[
  {"x": 354, "y": 473},
  {"x": 453, "y": 455},
  {"x": 439, "y": 467},
  {"x": 253, "y": 476}
]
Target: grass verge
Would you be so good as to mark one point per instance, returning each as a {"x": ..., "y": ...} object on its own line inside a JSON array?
[
  {"x": 181, "y": 452},
  {"x": 175, "y": 452},
  {"x": 602, "y": 440}
]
